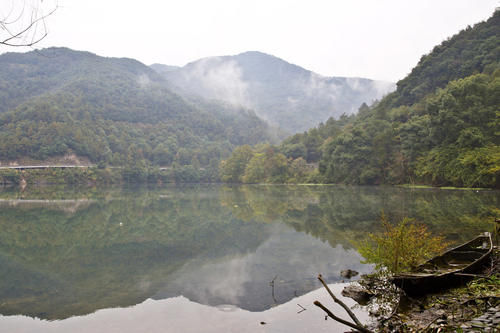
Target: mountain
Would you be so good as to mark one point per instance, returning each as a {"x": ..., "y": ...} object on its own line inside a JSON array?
[
  {"x": 160, "y": 68},
  {"x": 284, "y": 94},
  {"x": 111, "y": 110},
  {"x": 474, "y": 50},
  {"x": 440, "y": 127}
]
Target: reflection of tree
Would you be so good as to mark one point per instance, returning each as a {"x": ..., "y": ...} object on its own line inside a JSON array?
[
  {"x": 111, "y": 253},
  {"x": 342, "y": 214},
  {"x": 301, "y": 207}
]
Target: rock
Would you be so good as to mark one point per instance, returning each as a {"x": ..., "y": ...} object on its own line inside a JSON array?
[
  {"x": 477, "y": 324},
  {"x": 348, "y": 273},
  {"x": 357, "y": 293}
]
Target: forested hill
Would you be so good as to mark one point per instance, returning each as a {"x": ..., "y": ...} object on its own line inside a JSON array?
[
  {"x": 284, "y": 94},
  {"x": 441, "y": 126},
  {"x": 114, "y": 111},
  {"x": 473, "y": 50}
]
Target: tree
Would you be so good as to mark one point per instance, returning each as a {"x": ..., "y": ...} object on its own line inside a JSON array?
[
  {"x": 233, "y": 169},
  {"x": 255, "y": 171},
  {"x": 401, "y": 247},
  {"x": 24, "y": 23},
  {"x": 298, "y": 170}
]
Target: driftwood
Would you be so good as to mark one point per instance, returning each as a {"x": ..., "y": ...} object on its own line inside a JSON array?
[
  {"x": 340, "y": 320},
  {"x": 358, "y": 326},
  {"x": 342, "y": 304}
]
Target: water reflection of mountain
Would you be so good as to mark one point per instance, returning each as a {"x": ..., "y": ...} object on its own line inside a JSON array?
[
  {"x": 114, "y": 253},
  {"x": 289, "y": 259},
  {"x": 215, "y": 245}
]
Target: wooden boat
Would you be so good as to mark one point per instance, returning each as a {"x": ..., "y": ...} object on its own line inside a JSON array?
[{"x": 451, "y": 268}]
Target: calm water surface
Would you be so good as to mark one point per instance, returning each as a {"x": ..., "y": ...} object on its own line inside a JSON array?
[{"x": 68, "y": 252}]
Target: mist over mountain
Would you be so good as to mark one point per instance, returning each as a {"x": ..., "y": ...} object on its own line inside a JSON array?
[
  {"x": 284, "y": 94},
  {"x": 114, "y": 111}
]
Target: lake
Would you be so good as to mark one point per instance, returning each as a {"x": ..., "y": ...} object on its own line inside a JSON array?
[{"x": 199, "y": 257}]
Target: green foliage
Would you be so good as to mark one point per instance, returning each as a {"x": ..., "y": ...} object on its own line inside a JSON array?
[
  {"x": 401, "y": 247},
  {"x": 473, "y": 50},
  {"x": 263, "y": 164},
  {"x": 441, "y": 127},
  {"x": 115, "y": 112},
  {"x": 232, "y": 169},
  {"x": 298, "y": 171},
  {"x": 9, "y": 176},
  {"x": 308, "y": 145}
]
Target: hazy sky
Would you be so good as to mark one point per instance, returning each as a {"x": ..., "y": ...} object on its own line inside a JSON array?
[{"x": 381, "y": 39}]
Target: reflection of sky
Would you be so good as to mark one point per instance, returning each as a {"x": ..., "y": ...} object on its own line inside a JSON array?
[
  {"x": 178, "y": 314},
  {"x": 293, "y": 259}
]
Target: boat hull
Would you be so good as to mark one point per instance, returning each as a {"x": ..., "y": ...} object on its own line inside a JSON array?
[{"x": 470, "y": 258}]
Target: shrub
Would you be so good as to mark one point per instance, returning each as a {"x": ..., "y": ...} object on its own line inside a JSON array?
[{"x": 401, "y": 247}]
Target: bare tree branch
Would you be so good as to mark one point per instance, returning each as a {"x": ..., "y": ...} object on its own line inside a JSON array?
[
  {"x": 24, "y": 29},
  {"x": 338, "y": 301},
  {"x": 340, "y": 320}
]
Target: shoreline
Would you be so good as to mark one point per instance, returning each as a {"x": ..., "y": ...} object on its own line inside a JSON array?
[
  {"x": 92, "y": 175},
  {"x": 469, "y": 307}
]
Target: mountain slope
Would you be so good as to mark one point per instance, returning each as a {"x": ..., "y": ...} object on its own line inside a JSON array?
[
  {"x": 286, "y": 95},
  {"x": 113, "y": 111},
  {"x": 472, "y": 51},
  {"x": 440, "y": 127}
]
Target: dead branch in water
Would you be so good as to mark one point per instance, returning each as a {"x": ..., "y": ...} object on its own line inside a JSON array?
[
  {"x": 358, "y": 326},
  {"x": 338, "y": 301},
  {"x": 340, "y": 320}
]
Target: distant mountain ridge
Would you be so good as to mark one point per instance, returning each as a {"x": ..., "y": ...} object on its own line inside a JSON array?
[
  {"x": 114, "y": 111},
  {"x": 160, "y": 68},
  {"x": 27, "y": 75},
  {"x": 284, "y": 94}
]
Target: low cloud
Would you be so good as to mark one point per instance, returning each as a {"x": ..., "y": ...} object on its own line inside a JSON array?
[
  {"x": 143, "y": 81},
  {"x": 318, "y": 86},
  {"x": 383, "y": 87},
  {"x": 218, "y": 78}
]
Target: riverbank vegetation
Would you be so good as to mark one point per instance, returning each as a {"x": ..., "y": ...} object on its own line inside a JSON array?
[
  {"x": 400, "y": 247},
  {"x": 473, "y": 306}
]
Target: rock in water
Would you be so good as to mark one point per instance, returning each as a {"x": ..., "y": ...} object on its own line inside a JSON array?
[
  {"x": 357, "y": 293},
  {"x": 348, "y": 273}
]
